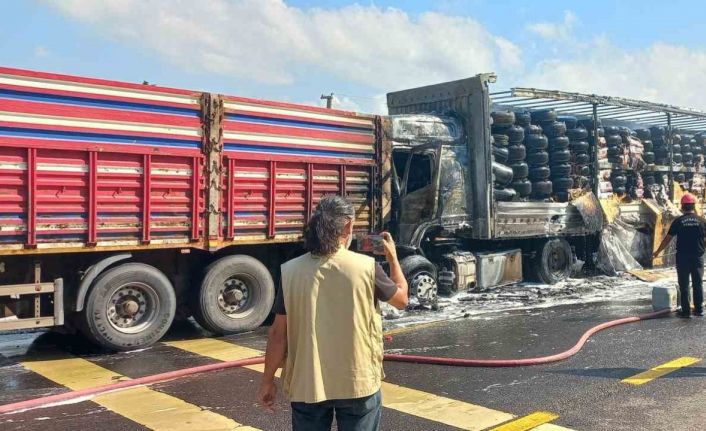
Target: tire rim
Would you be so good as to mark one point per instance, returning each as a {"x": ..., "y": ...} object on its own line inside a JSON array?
[
  {"x": 237, "y": 296},
  {"x": 558, "y": 262},
  {"x": 133, "y": 307},
  {"x": 424, "y": 286}
]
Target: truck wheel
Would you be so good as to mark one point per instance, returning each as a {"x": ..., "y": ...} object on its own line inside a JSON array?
[
  {"x": 236, "y": 295},
  {"x": 421, "y": 276},
  {"x": 129, "y": 307},
  {"x": 553, "y": 261}
]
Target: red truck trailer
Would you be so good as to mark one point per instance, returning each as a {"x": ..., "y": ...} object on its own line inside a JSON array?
[{"x": 123, "y": 206}]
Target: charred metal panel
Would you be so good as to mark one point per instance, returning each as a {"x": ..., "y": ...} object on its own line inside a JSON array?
[
  {"x": 468, "y": 100},
  {"x": 537, "y": 219}
]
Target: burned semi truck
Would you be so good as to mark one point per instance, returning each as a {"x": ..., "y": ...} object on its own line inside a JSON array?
[{"x": 454, "y": 232}]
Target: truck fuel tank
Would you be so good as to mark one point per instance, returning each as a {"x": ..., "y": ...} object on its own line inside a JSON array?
[{"x": 498, "y": 268}]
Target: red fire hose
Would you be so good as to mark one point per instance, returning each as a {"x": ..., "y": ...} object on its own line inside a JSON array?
[{"x": 86, "y": 393}]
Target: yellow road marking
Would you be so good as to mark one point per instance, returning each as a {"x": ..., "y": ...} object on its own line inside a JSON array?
[
  {"x": 428, "y": 406},
  {"x": 140, "y": 404},
  {"x": 529, "y": 422},
  {"x": 661, "y": 370}
]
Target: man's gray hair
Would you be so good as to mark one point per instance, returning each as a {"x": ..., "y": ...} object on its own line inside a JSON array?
[{"x": 324, "y": 230}]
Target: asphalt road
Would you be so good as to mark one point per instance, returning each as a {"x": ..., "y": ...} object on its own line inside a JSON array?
[{"x": 586, "y": 392}]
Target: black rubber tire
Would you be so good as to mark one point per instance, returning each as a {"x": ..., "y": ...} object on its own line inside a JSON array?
[
  {"x": 538, "y": 158},
  {"x": 618, "y": 181},
  {"x": 643, "y": 134},
  {"x": 499, "y": 130},
  {"x": 504, "y": 194},
  {"x": 579, "y": 147},
  {"x": 543, "y": 115},
  {"x": 582, "y": 159},
  {"x": 554, "y": 129},
  {"x": 562, "y": 184},
  {"x": 523, "y": 118},
  {"x": 561, "y": 169},
  {"x": 416, "y": 266},
  {"x": 558, "y": 143},
  {"x": 542, "y": 188},
  {"x": 516, "y": 153},
  {"x": 612, "y": 130},
  {"x": 657, "y": 132},
  {"x": 536, "y": 142},
  {"x": 618, "y": 160},
  {"x": 520, "y": 171},
  {"x": 502, "y": 174},
  {"x": 533, "y": 129},
  {"x": 501, "y": 140},
  {"x": 587, "y": 123},
  {"x": 522, "y": 187},
  {"x": 615, "y": 151},
  {"x": 619, "y": 190},
  {"x": 661, "y": 153},
  {"x": 648, "y": 157},
  {"x": 539, "y": 173},
  {"x": 552, "y": 261},
  {"x": 570, "y": 121},
  {"x": 677, "y": 158},
  {"x": 614, "y": 140},
  {"x": 647, "y": 145},
  {"x": 500, "y": 154},
  {"x": 560, "y": 156},
  {"x": 648, "y": 180},
  {"x": 624, "y": 133},
  {"x": 680, "y": 178},
  {"x": 687, "y": 157},
  {"x": 601, "y": 132},
  {"x": 250, "y": 272},
  {"x": 676, "y": 148},
  {"x": 583, "y": 171},
  {"x": 503, "y": 118},
  {"x": 685, "y": 148},
  {"x": 577, "y": 134},
  {"x": 516, "y": 134},
  {"x": 94, "y": 322}
]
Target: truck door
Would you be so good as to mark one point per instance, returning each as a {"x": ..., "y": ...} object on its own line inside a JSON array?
[{"x": 418, "y": 191}]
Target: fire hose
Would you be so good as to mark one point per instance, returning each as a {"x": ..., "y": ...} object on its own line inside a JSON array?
[{"x": 82, "y": 394}]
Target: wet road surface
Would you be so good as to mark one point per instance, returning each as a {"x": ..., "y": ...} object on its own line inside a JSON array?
[{"x": 586, "y": 392}]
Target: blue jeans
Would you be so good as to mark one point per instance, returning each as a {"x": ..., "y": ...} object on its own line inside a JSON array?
[{"x": 356, "y": 414}]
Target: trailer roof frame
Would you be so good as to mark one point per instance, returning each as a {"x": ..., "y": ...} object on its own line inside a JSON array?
[{"x": 609, "y": 108}]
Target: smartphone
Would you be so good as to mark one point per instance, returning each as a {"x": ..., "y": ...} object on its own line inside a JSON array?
[{"x": 371, "y": 244}]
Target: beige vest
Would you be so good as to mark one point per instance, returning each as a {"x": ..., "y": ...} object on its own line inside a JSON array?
[{"x": 334, "y": 328}]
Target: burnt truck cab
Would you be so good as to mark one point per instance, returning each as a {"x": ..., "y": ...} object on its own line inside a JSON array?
[{"x": 452, "y": 233}]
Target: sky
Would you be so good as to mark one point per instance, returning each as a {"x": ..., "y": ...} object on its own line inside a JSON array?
[{"x": 295, "y": 50}]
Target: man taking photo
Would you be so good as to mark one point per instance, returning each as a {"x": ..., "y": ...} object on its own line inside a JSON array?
[
  {"x": 328, "y": 326},
  {"x": 690, "y": 230}
]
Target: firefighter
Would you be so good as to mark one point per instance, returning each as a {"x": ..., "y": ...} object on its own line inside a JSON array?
[{"x": 690, "y": 230}]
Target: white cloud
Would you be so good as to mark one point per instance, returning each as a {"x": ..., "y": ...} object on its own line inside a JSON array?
[
  {"x": 555, "y": 31},
  {"x": 271, "y": 42},
  {"x": 658, "y": 73}
]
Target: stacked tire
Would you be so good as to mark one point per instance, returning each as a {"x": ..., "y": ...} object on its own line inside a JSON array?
[
  {"x": 503, "y": 127},
  {"x": 559, "y": 158},
  {"x": 688, "y": 144},
  {"x": 537, "y": 144},
  {"x": 659, "y": 145},
  {"x": 579, "y": 148},
  {"x": 517, "y": 155},
  {"x": 700, "y": 149},
  {"x": 616, "y": 152}
]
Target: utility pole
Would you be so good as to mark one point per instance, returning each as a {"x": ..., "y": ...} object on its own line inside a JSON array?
[{"x": 329, "y": 100}]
